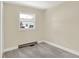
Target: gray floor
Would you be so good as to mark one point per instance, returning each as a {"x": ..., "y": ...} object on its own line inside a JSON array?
[{"x": 41, "y": 50}]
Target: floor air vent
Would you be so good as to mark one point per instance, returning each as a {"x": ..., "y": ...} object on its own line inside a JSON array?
[{"x": 27, "y": 44}]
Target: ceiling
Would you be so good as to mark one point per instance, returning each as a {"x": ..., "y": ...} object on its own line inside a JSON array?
[{"x": 38, "y": 4}]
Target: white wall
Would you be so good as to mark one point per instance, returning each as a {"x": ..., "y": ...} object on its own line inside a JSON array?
[
  {"x": 62, "y": 25},
  {"x": 0, "y": 29},
  {"x": 15, "y": 36},
  {"x": 1, "y": 33}
]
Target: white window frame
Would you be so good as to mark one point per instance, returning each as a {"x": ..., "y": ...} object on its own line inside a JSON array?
[{"x": 27, "y": 21}]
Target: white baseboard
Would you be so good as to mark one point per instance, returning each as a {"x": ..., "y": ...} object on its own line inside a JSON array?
[
  {"x": 12, "y": 48},
  {"x": 9, "y": 49},
  {"x": 53, "y": 44},
  {"x": 64, "y": 48}
]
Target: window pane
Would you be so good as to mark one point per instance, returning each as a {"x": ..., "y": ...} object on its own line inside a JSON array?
[
  {"x": 26, "y": 16},
  {"x": 27, "y": 21}
]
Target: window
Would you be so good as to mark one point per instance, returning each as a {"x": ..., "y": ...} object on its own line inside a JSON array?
[{"x": 27, "y": 21}]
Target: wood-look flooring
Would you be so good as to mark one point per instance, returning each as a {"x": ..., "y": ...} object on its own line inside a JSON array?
[{"x": 41, "y": 50}]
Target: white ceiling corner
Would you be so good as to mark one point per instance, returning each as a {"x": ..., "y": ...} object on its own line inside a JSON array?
[{"x": 38, "y": 4}]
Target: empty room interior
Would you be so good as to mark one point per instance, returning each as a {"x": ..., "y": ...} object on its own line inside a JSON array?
[{"x": 40, "y": 29}]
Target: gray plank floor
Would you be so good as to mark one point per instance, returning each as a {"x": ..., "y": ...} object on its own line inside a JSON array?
[{"x": 41, "y": 50}]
